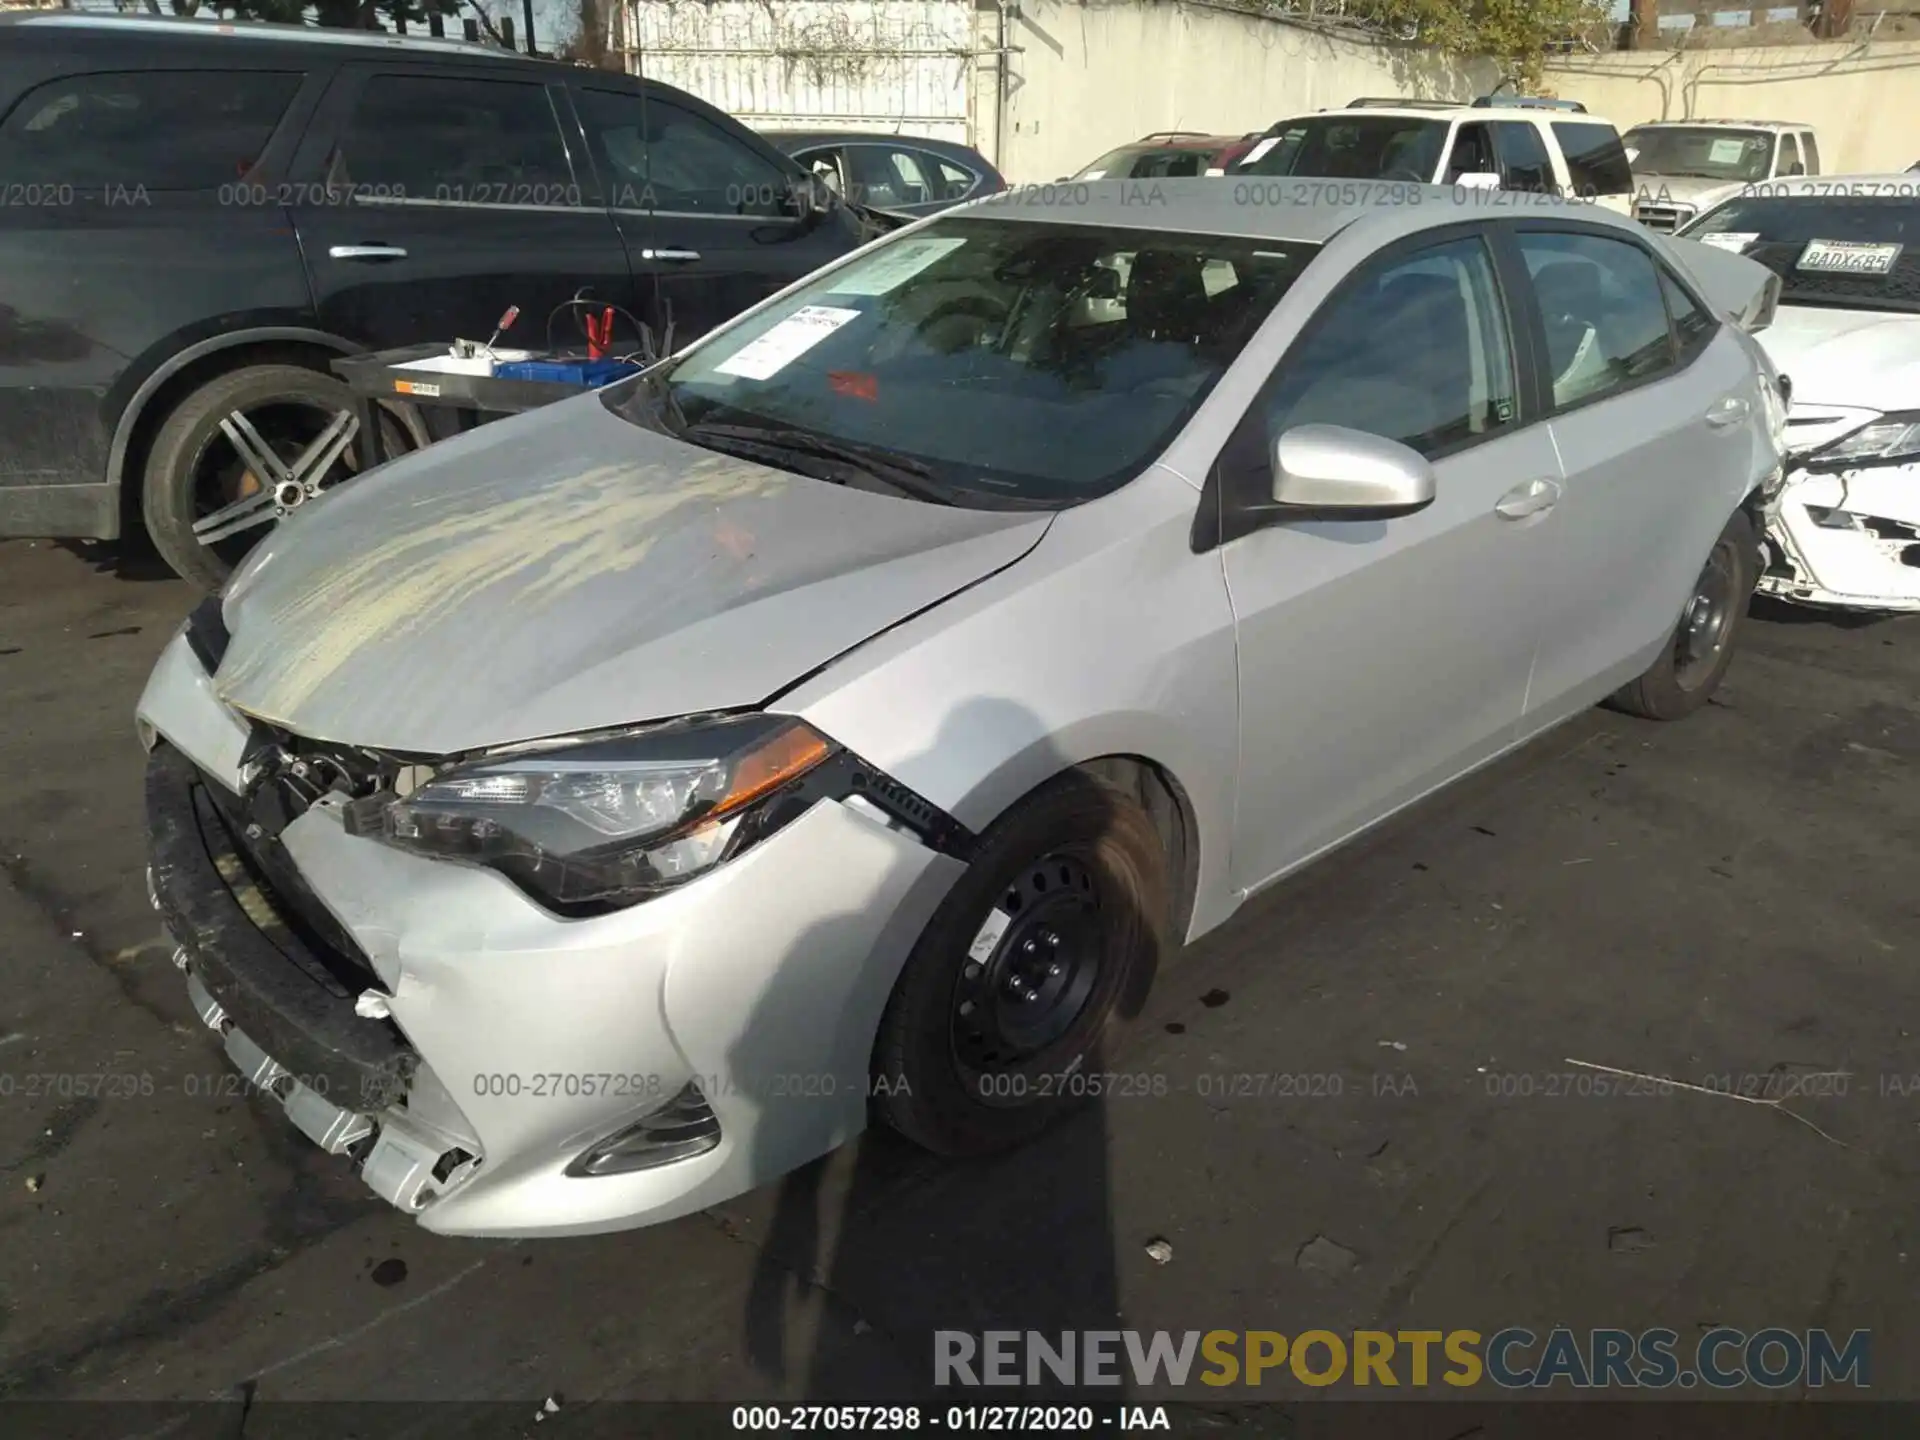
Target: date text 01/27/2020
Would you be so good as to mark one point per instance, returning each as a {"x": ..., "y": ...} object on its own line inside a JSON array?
[{"x": 962, "y": 1419}]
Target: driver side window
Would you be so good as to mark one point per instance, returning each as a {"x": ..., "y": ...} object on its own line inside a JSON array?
[{"x": 1416, "y": 351}]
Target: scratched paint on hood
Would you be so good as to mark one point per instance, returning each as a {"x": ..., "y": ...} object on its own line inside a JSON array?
[
  {"x": 567, "y": 571},
  {"x": 542, "y": 544}
]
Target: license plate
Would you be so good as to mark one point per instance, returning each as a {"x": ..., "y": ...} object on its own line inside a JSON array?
[{"x": 1848, "y": 257}]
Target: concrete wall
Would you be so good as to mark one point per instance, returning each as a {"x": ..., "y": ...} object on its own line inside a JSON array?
[
  {"x": 1863, "y": 99},
  {"x": 1090, "y": 76}
]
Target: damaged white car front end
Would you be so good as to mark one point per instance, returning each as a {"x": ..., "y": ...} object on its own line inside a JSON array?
[{"x": 1845, "y": 529}]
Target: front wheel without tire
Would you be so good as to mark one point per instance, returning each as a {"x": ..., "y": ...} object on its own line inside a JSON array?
[
  {"x": 1026, "y": 974},
  {"x": 1695, "y": 659}
]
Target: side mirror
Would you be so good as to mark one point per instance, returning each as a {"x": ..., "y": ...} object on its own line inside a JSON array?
[
  {"x": 1479, "y": 180},
  {"x": 1333, "y": 473}
]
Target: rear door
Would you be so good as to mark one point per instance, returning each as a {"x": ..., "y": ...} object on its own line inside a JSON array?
[
  {"x": 139, "y": 212},
  {"x": 432, "y": 199},
  {"x": 1650, "y": 398},
  {"x": 713, "y": 218}
]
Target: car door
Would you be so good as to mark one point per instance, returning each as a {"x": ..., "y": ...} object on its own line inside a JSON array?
[
  {"x": 1379, "y": 658},
  {"x": 1649, "y": 419},
  {"x": 714, "y": 219},
  {"x": 432, "y": 199}
]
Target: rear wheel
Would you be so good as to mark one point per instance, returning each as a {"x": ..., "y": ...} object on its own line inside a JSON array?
[
  {"x": 1026, "y": 974},
  {"x": 1689, "y": 670},
  {"x": 241, "y": 452}
]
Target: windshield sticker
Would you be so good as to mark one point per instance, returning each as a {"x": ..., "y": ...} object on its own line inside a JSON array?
[
  {"x": 1734, "y": 240},
  {"x": 894, "y": 265},
  {"x": 1848, "y": 257},
  {"x": 786, "y": 342},
  {"x": 1257, "y": 151},
  {"x": 1726, "y": 152}
]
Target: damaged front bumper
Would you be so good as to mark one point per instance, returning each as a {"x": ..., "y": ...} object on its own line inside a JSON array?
[
  {"x": 493, "y": 1068},
  {"x": 1847, "y": 539}
]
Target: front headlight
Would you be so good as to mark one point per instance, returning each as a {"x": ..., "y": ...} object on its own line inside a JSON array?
[
  {"x": 1890, "y": 439},
  {"x": 599, "y": 824}
]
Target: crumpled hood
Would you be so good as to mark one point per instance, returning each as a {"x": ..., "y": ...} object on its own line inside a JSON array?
[
  {"x": 568, "y": 571},
  {"x": 1834, "y": 356}
]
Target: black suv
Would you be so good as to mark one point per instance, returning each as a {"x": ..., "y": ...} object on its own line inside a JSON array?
[{"x": 196, "y": 218}]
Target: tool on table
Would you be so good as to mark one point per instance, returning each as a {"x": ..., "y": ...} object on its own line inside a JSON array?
[
  {"x": 599, "y": 333},
  {"x": 511, "y": 314}
]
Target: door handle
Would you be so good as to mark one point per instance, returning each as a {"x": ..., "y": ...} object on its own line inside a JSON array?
[
  {"x": 1535, "y": 497},
  {"x": 1728, "y": 410},
  {"x": 676, "y": 257},
  {"x": 366, "y": 252}
]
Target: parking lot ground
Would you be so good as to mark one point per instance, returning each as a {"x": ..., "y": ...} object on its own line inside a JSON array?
[{"x": 1728, "y": 897}]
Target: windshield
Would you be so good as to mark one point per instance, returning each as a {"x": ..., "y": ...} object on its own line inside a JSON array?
[
  {"x": 1009, "y": 362},
  {"x": 1351, "y": 147},
  {"x": 1700, "y": 152},
  {"x": 1860, "y": 251}
]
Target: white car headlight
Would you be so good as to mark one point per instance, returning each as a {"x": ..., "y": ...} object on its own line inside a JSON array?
[
  {"x": 1892, "y": 439},
  {"x": 598, "y": 824}
]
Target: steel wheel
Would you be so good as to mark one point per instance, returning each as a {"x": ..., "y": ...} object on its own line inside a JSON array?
[
  {"x": 1024, "y": 993},
  {"x": 1706, "y": 624}
]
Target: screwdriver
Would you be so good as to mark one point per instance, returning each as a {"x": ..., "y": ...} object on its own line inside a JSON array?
[{"x": 505, "y": 324}]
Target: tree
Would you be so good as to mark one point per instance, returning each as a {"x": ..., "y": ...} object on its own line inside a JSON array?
[{"x": 1516, "y": 34}]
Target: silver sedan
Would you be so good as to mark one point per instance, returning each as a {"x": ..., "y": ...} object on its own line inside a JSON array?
[{"x": 591, "y": 817}]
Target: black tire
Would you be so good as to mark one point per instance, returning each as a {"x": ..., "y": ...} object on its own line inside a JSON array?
[
  {"x": 1101, "y": 853},
  {"x": 1688, "y": 670},
  {"x": 174, "y": 492}
]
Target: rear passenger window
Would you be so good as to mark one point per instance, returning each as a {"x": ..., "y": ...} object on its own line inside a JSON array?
[
  {"x": 1693, "y": 326},
  {"x": 158, "y": 129},
  {"x": 1416, "y": 352},
  {"x": 455, "y": 141},
  {"x": 1596, "y": 160},
  {"x": 1605, "y": 319},
  {"x": 1524, "y": 162}
]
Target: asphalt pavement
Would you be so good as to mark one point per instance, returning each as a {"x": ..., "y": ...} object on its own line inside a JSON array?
[{"x": 1378, "y": 1103}]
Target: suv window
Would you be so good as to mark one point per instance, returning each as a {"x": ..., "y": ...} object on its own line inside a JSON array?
[
  {"x": 1605, "y": 319},
  {"x": 1524, "y": 162},
  {"x": 1693, "y": 326},
  {"x": 1472, "y": 153},
  {"x": 1416, "y": 352},
  {"x": 1812, "y": 148},
  {"x": 1596, "y": 160},
  {"x": 657, "y": 156},
  {"x": 455, "y": 140},
  {"x": 161, "y": 129}
]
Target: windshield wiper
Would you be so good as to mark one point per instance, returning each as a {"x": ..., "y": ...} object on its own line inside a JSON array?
[{"x": 898, "y": 472}]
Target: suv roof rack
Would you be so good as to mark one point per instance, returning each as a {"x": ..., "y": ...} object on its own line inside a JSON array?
[
  {"x": 1527, "y": 102},
  {"x": 1398, "y": 102}
]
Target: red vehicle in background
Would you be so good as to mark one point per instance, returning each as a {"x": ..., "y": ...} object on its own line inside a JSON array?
[{"x": 1168, "y": 153}]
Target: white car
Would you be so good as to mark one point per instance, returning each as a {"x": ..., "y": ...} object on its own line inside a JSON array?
[
  {"x": 1533, "y": 146},
  {"x": 1684, "y": 169},
  {"x": 1846, "y": 530}
]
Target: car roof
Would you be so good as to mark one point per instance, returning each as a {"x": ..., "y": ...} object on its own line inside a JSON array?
[
  {"x": 1441, "y": 110},
  {"x": 863, "y": 137},
  {"x": 1722, "y": 125},
  {"x": 1214, "y": 206},
  {"x": 151, "y": 26}
]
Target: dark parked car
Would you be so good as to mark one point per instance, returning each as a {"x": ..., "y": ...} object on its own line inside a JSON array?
[
  {"x": 1169, "y": 153},
  {"x": 198, "y": 219},
  {"x": 905, "y": 174}
]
